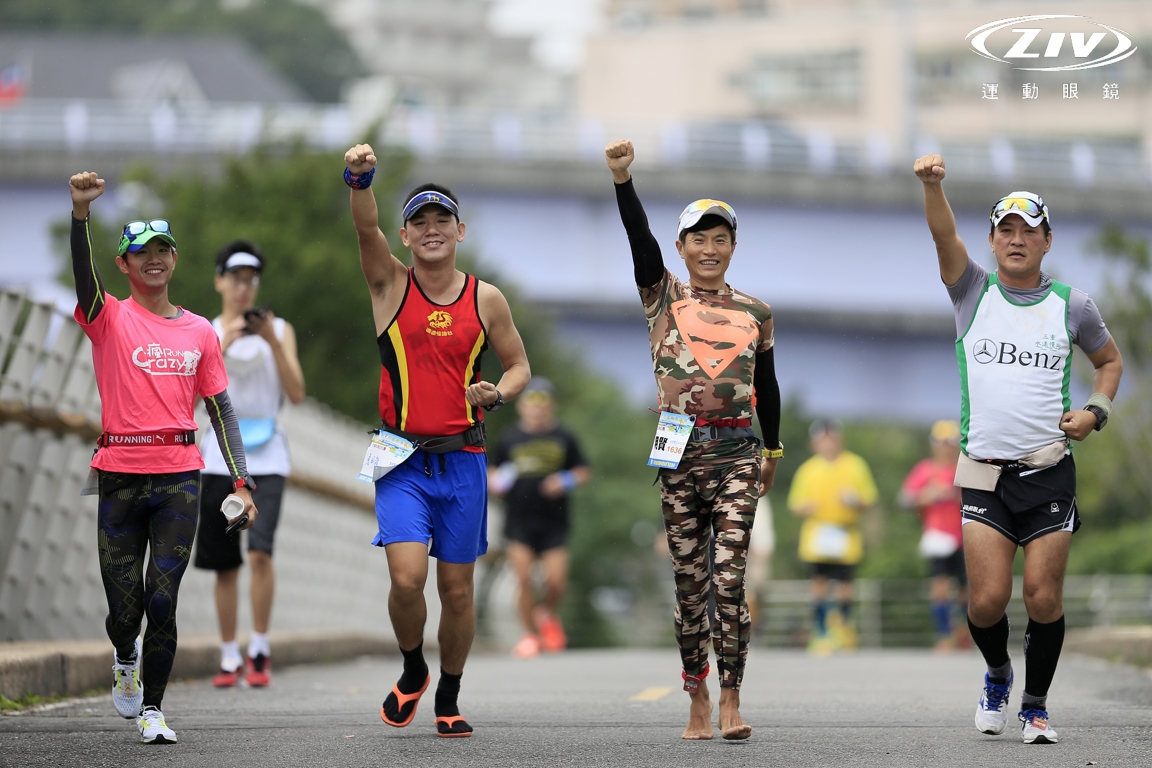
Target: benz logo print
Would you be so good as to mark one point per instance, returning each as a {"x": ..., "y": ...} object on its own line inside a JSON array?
[
  {"x": 984, "y": 351},
  {"x": 1026, "y": 46}
]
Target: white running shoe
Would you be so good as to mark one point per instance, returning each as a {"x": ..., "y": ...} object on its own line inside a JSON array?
[
  {"x": 992, "y": 711},
  {"x": 127, "y": 692},
  {"x": 153, "y": 729},
  {"x": 1036, "y": 729}
]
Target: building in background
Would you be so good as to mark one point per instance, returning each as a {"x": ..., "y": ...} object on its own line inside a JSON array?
[
  {"x": 895, "y": 76},
  {"x": 441, "y": 54},
  {"x": 180, "y": 71}
]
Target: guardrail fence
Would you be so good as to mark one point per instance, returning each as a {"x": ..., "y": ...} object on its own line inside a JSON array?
[{"x": 550, "y": 138}]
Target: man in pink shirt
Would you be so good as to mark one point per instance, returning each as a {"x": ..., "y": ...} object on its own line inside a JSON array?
[
  {"x": 152, "y": 360},
  {"x": 929, "y": 488}
]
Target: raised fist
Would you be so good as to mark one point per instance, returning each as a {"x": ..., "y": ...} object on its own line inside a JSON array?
[
  {"x": 360, "y": 159},
  {"x": 620, "y": 155},
  {"x": 929, "y": 169},
  {"x": 85, "y": 187}
]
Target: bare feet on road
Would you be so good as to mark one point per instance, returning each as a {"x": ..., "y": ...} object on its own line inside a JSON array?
[
  {"x": 699, "y": 726},
  {"x": 732, "y": 725}
]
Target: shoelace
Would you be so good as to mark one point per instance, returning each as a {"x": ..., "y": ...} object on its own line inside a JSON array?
[
  {"x": 996, "y": 694},
  {"x": 153, "y": 716},
  {"x": 1027, "y": 715}
]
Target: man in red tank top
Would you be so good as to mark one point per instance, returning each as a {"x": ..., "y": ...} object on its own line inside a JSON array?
[{"x": 433, "y": 325}]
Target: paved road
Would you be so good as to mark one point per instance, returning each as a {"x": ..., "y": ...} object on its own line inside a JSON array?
[{"x": 894, "y": 708}]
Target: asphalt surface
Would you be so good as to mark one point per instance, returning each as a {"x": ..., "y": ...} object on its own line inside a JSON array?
[{"x": 610, "y": 708}]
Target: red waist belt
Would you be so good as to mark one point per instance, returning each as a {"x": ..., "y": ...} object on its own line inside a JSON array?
[
  {"x": 159, "y": 437},
  {"x": 723, "y": 423}
]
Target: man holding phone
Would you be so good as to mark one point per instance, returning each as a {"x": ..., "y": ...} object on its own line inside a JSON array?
[{"x": 263, "y": 368}]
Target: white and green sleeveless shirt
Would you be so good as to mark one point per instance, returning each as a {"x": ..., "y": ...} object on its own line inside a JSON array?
[{"x": 1015, "y": 365}]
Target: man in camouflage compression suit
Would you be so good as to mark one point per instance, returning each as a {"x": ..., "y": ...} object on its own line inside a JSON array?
[{"x": 712, "y": 352}]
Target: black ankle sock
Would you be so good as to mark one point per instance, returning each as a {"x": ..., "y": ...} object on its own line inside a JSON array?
[
  {"x": 446, "y": 693},
  {"x": 1042, "y": 645},
  {"x": 415, "y": 670},
  {"x": 992, "y": 642}
]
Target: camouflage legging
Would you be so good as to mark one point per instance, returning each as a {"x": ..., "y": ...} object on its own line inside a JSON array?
[
  {"x": 701, "y": 504},
  {"x": 156, "y": 512}
]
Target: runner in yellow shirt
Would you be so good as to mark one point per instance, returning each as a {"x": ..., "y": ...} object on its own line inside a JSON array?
[{"x": 830, "y": 490}]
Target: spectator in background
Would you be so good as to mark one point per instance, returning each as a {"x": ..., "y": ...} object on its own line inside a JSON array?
[
  {"x": 263, "y": 369},
  {"x": 929, "y": 488},
  {"x": 761, "y": 547},
  {"x": 830, "y": 490},
  {"x": 537, "y": 464}
]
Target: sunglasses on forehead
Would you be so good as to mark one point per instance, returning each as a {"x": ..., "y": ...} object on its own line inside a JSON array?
[
  {"x": 1023, "y": 204},
  {"x": 134, "y": 228}
]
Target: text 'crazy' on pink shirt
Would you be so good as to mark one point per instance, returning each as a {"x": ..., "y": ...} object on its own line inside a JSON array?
[{"x": 149, "y": 370}]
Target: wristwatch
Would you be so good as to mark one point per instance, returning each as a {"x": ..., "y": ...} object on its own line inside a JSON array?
[
  {"x": 244, "y": 482},
  {"x": 497, "y": 405},
  {"x": 1101, "y": 417},
  {"x": 772, "y": 453}
]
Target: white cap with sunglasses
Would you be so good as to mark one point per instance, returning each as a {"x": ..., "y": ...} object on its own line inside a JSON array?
[
  {"x": 1026, "y": 205},
  {"x": 697, "y": 210}
]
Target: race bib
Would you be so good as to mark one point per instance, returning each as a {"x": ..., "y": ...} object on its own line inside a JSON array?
[
  {"x": 672, "y": 434},
  {"x": 831, "y": 542},
  {"x": 386, "y": 452}
]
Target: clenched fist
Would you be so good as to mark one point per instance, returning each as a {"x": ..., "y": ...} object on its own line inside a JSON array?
[
  {"x": 929, "y": 169},
  {"x": 85, "y": 187},
  {"x": 360, "y": 159},
  {"x": 481, "y": 393},
  {"x": 620, "y": 155}
]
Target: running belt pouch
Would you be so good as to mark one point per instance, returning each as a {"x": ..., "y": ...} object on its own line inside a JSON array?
[
  {"x": 256, "y": 432},
  {"x": 977, "y": 475},
  {"x": 1046, "y": 456},
  {"x": 476, "y": 435}
]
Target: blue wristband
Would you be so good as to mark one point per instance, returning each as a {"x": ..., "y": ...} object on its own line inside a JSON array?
[
  {"x": 363, "y": 181},
  {"x": 567, "y": 479}
]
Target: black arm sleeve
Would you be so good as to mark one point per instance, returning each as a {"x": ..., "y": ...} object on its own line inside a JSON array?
[
  {"x": 647, "y": 262},
  {"x": 767, "y": 397},
  {"x": 89, "y": 286},
  {"x": 227, "y": 431}
]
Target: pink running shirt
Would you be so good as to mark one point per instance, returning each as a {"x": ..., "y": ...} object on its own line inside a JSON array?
[
  {"x": 149, "y": 370},
  {"x": 943, "y": 515}
]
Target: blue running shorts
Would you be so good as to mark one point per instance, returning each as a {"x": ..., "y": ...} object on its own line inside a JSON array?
[{"x": 440, "y": 499}]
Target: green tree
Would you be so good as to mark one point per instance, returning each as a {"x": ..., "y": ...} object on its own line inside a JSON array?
[
  {"x": 1115, "y": 477},
  {"x": 296, "y": 39}
]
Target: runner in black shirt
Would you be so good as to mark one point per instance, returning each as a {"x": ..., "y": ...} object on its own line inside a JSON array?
[{"x": 537, "y": 465}]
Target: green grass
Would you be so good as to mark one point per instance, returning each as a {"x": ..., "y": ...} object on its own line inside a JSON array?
[{"x": 29, "y": 700}]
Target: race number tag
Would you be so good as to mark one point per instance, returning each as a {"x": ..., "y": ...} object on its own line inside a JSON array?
[
  {"x": 832, "y": 541},
  {"x": 386, "y": 452},
  {"x": 672, "y": 435}
]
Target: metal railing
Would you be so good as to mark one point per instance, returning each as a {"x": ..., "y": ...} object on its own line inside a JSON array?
[{"x": 556, "y": 138}]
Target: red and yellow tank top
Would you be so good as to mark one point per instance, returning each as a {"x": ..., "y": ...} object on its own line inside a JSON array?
[{"x": 430, "y": 354}]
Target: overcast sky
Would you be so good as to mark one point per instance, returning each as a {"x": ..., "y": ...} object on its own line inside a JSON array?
[{"x": 559, "y": 26}]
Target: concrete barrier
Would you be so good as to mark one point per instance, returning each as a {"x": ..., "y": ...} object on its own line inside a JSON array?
[{"x": 83, "y": 666}]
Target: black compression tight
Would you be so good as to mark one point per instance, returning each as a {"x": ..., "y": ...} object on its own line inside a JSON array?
[{"x": 138, "y": 512}]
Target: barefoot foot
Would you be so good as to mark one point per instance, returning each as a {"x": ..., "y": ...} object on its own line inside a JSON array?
[
  {"x": 732, "y": 725},
  {"x": 699, "y": 726}
]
